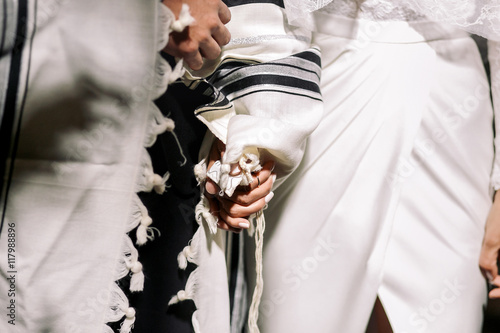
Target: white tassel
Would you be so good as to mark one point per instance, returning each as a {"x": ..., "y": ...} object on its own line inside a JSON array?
[
  {"x": 137, "y": 279},
  {"x": 165, "y": 18},
  {"x": 202, "y": 212},
  {"x": 252, "y": 222},
  {"x": 160, "y": 187},
  {"x": 182, "y": 260},
  {"x": 130, "y": 263},
  {"x": 253, "y": 315},
  {"x": 137, "y": 214},
  {"x": 189, "y": 290},
  {"x": 195, "y": 322},
  {"x": 185, "y": 256},
  {"x": 200, "y": 172},
  {"x": 158, "y": 124},
  {"x": 177, "y": 72},
  {"x": 156, "y": 182},
  {"x": 118, "y": 302},
  {"x": 181, "y": 296},
  {"x": 162, "y": 123},
  {"x": 128, "y": 323},
  {"x": 249, "y": 163},
  {"x": 166, "y": 125},
  {"x": 185, "y": 20},
  {"x": 144, "y": 232}
]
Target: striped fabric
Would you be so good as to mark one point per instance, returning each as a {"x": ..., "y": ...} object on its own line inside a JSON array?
[{"x": 278, "y": 91}]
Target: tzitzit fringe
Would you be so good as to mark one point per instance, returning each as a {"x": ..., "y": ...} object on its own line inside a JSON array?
[{"x": 148, "y": 181}]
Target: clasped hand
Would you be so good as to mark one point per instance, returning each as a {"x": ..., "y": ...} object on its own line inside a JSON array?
[
  {"x": 205, "y": 36},
  {"x": 232, "y": 212}
]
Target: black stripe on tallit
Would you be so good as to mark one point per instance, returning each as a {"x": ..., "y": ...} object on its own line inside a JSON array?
[
  {"x": 255, "y": 70},
  {"x": 234, "y": 3},
  {"x": 270, "y": 79},
  {"x": 7, "y": 124},
  {"x": 310, "y": 56},
  {"x": 276, "y": 91}
]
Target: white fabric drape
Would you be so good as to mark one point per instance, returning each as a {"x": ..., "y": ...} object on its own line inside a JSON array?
[{"x": 91, "y": 70}]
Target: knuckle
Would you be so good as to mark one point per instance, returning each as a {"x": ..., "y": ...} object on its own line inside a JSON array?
[
  {"x": 490, "y": 243},
  {"x": 244, "y": 200},
  {"x": 485, "y": 264},
  {"x": 213, "y": 22},
  {"x": 189, "y": 48},
  {"x": 234, "y": 211},
  {"x": 232, "y": 223}
]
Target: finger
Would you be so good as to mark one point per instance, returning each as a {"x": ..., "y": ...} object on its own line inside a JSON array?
[
  {"x": 494, "y": 293},
  {"x": 211, "y": 188},
  {"x": 224, "y": 226},
  {"x": 264, "y": 174},
  {"x": 249, "y": 197},
  {"x": 216, "y": 152},
  {"x": 224, "y": 13},
  {"x": 495, "y": 281},
  {"x": 488, "y": 261},
  {"x": 214, "y": 207},
  {"x": 234, "y": 210},
  {"x": 221, "y": 35},
  {"x": 235, "y": 222},
  {"x": 182, "y": 45},
  {"x": 194, "y": 60},
  {"x": 209, "y": 48}
]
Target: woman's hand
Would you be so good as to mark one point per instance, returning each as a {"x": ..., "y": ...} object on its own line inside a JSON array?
[
  {"x": 233, "y": 211},
  {"x": 491, "y": 247}
]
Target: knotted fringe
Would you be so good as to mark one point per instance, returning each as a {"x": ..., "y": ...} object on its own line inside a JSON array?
[
  {"x": 190, "y": 289},
  {"x": 141, "y": 220},
  {"x": 188, "y": 292},
  {"x": 160, "y": 125},
  {"x": 202, "y": 213},
  {"x": 248, "y": 163},
  {"x": 189, "y": 253},
  {"x": 119, "y": 308},
  {"x": 147, "y": 180},
  {"x": 253, "y": 315},
  {"x": 200, "y": 172},
  {"x": 129, "y": 263}
]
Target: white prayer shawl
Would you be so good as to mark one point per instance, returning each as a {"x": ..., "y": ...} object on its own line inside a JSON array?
[
  {"x": 78, "y": 101},
  {"x": 265, "y": 89}
]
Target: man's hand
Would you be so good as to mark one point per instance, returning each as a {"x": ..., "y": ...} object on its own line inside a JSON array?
[
  {"x": 491, "y": 247},
  {"x": 205, "y": 36},
  {"x": 233, "y": 211}
]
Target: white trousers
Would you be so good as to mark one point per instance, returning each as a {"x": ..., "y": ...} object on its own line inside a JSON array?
[{"x": 392, "y": 195}]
